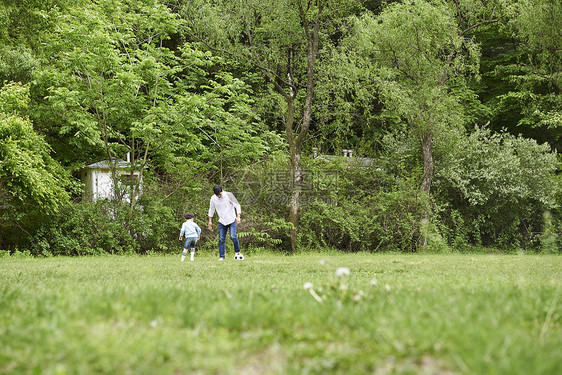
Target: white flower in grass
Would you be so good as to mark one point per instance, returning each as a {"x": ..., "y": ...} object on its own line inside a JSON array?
[
  {"x": 342, "y": 271},
  {"x": 343, "y": 287},
  {"x": 387, "y": 288},
  {"x": 308, "y": 286},
  {"x": 374, "y": 282}
]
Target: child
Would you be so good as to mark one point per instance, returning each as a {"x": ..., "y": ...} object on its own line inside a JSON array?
[{"x": 191, "y": 232}]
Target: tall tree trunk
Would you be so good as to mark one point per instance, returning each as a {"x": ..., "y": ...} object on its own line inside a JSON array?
[
  {"x": 295, "y": 169},
  {"x": 296, "y": 174},
  {"x": 296, "y": 138},
  {"x": 427, "y": 151}
]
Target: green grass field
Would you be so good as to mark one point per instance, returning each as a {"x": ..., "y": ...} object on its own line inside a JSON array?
[{"x": 393, "y": 314}]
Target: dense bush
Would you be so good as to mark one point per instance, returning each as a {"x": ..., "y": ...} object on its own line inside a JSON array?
[
  {"x": 356, "y": 205},
  {"x": 263, "y": 191},
  {"x": 382, "y": 222},
  {"x": 33, "y": 185},
  {"x": 104, "y": 227},
  {"x": 493, "y": 189}
]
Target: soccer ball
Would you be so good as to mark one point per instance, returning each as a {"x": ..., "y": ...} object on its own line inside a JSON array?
[{"x": 238, "y": 256}]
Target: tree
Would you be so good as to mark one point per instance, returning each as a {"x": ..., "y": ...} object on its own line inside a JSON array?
[
  {"x": 22, "y": 25},
  {"x": 282, "y": 41},
  {"x": 32, "y": 184},
  {"x": 520, "y": 66},
  {"x": 493, "y": 188},
  {"x": 414, "y": 55},
  {"x": 117, "y": 87},
  {"x": 537, "y": 26},
  {"x": 23, "y": 21},
  {"x": 114, "y": 78}
]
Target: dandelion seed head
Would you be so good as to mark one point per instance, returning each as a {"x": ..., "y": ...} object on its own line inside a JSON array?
[
  {"x": 307, "y": 286},
  {"x": 387, "y": 287},
  {"x": 342, "y": 271}
]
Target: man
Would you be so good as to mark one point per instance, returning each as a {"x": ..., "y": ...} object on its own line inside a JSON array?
[{"x": 228, "y": 209}]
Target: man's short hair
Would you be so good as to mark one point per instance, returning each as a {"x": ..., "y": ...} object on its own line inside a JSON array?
[
  {"x": 189, "y": 215},
  {"x": 217, "y": 189}
]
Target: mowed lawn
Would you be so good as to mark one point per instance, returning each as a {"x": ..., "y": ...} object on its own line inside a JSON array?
[{"x": 393, "y": 314}]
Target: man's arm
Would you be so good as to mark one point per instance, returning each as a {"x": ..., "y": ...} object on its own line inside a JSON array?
[
  {"x": 236, "y": 205},
  {"x": 211, "y": 213}
]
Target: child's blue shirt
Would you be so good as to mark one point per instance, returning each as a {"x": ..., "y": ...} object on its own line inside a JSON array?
[{"x": 190, "y": 229}]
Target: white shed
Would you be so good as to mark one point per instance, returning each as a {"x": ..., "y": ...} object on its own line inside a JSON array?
[{"x": 98, "y": 182}]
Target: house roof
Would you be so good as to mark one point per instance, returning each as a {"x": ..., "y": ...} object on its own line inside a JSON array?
[
  {"x": 352, "y": 160},
  {"x": 106, "y": 164}
]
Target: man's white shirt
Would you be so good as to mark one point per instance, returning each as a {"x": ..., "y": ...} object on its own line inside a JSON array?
[{"x": 225, "y": 206}]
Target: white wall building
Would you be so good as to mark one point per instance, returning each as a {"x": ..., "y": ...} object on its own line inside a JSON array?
[{"x": 98, "y": 182}]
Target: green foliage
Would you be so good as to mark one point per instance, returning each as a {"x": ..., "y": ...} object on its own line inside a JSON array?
[
  {"x": 102, "y": 78},
  {"x": 113, "y": 80},
  {"x": 267, "y": 236},
  {"x": 521, "y": 63},
  {"x": 382, "y": 222},
  {"x": 22, "y": 22},
  {"x": 222, "y": 130},
  {"x": 14, "y": 98},
  {"x": 344, "y": 205},
  {"x": 123, "y": 89},
  {"x": 17, "y": 65},
  {"x": 495, "y": 187},
  {"x": 356, "y": 208},
  {"x": 408, "y": 74},
  {"x": 549, "y": 239},
  {"x": 32, "y": 184},
  {"x": 116, "y": 87},
  {"x": 27, "y": 171},
  {"x": 537, "y": 24},
  {"x": 106, "y": 228},
  {"x": 263, "y": 191}
]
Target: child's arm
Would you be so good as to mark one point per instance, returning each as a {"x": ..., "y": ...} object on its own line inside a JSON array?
[{"x": 182, "y": 231}]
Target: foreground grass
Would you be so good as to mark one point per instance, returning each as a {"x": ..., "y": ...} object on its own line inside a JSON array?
[{"x": 393, "y": 314}]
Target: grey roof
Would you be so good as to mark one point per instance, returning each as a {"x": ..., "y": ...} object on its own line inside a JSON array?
[
  {"x": 352, "y": 160},
  {"x": 106, "y": 164}
]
